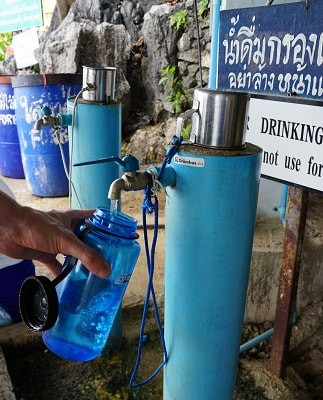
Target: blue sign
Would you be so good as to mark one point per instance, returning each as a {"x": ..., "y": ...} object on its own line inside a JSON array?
[
  {"x": 20, "y": 14},
  {"x": 274, "y": 50}
]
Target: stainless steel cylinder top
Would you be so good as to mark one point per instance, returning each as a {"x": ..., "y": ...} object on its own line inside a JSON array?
[
  {"x": 219, "y": 118},
  {"x": 101, "y": 82}
]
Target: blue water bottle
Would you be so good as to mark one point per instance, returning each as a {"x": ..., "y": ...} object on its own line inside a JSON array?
[{"x": 87, "y": 304}]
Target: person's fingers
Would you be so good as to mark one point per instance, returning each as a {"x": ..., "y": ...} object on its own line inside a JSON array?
[
  {"x": 71, "y": 217},
  {"x": 91, "y": 259},
  {"x": 70, "y": 244},
  {"x": 51, "y": 234}
]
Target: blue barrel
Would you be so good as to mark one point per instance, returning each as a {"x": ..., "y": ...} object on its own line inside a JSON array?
[
  {"x": 210, "y": 217},
  {"x": 10, "y": 157},
  {"x": 40, "y": 150}
]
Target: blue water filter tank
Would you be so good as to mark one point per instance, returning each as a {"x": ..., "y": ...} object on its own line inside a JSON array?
[
  {"x": 96, "y": 134},
  {"x": 210, "y": 218}
]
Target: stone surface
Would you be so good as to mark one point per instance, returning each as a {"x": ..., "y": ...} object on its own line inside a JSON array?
[
  {"x": 160, "y": 51},
  {"x": 6, "y": 388}
]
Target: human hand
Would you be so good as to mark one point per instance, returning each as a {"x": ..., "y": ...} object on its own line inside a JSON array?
[{"x": 27, "y": 233}]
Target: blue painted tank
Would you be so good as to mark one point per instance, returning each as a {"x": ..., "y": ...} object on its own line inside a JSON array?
[
  {"x": 96, "y": 134},
  {"x": 210, "y": 217},
  {"x": 40, "y": 151},
  {"x": 10, "y": 157}
]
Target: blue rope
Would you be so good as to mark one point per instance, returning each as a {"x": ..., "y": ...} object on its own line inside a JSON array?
[
  {"x": 148, "y": 207},
  {"x": 150, "y": 256},
  {"x": 147, "y": 203}
]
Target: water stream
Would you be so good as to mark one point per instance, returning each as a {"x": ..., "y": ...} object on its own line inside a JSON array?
[{"x": 114, "y": 206}]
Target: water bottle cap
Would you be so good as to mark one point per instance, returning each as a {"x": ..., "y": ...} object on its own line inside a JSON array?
[
  {"x": 38, "y": 303},
  {"x": 115, "y": 223}
]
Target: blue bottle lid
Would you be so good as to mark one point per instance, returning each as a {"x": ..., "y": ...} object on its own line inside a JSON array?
[{"x": 115, "y": 223}]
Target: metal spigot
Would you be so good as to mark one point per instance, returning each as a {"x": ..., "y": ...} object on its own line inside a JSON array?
[
  {"x": 133, "y": 179},
  {"x": 47, "y": 119},
  {"x": 130, "y": 181}
]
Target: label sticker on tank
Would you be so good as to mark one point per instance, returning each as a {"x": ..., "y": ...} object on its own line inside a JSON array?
[
  {"x": 122, "y": 278},
  {"x": 189, "y": 161}
]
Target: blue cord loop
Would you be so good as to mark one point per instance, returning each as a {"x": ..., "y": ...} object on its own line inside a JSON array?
[
  {"x": 149, "y": 206},
  {"x": 177, "y": 141},
  {"x": 147, "y": 203}
]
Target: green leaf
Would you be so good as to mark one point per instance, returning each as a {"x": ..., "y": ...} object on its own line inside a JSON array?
[
  {"x": 5, "y": 41},
  {"x": 162, "y": 80}
]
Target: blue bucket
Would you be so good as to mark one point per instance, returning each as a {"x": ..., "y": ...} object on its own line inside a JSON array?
[
  {"x": 10, "y": 157},
  {"x": 40, "y": 150}
]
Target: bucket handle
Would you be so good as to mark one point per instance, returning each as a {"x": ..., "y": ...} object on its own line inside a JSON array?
[{"x": 183, "y": 116}]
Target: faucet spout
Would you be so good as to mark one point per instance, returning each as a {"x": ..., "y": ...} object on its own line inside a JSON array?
[
  {"x": 115, "y": 189},
  {"x": 130, "y": 181},
  {"x": 38, "y": 124},
  {"x": 47, "y": 120}
]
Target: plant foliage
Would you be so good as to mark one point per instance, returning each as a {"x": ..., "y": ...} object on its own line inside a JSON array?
[
  {"x": 177, "y": 96},
  {"x": 186, "y": 131},
  {"x": 178, "y": 20},
  {"x": 202, "y": 7},
  {"x": 5, "y": 41}
]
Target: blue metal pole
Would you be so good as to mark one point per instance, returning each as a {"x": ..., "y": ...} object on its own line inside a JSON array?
[
  {"x": 216, "y": 5},
  {"x": 210, "y": 217}
]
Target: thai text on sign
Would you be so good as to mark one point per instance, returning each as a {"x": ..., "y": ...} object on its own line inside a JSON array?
[{"x": 273, "y": 50}]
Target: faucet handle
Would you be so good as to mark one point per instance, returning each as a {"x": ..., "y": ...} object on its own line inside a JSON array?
[
  {"x": 45, "y": 111},
  {"x": 130, "y": 164}
]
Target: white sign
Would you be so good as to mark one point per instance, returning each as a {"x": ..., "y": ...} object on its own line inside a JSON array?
[
  {"x": 291, "y": 136},
  {"x": 24, "y": 45},
  {"x": 189, "y": 161}
]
